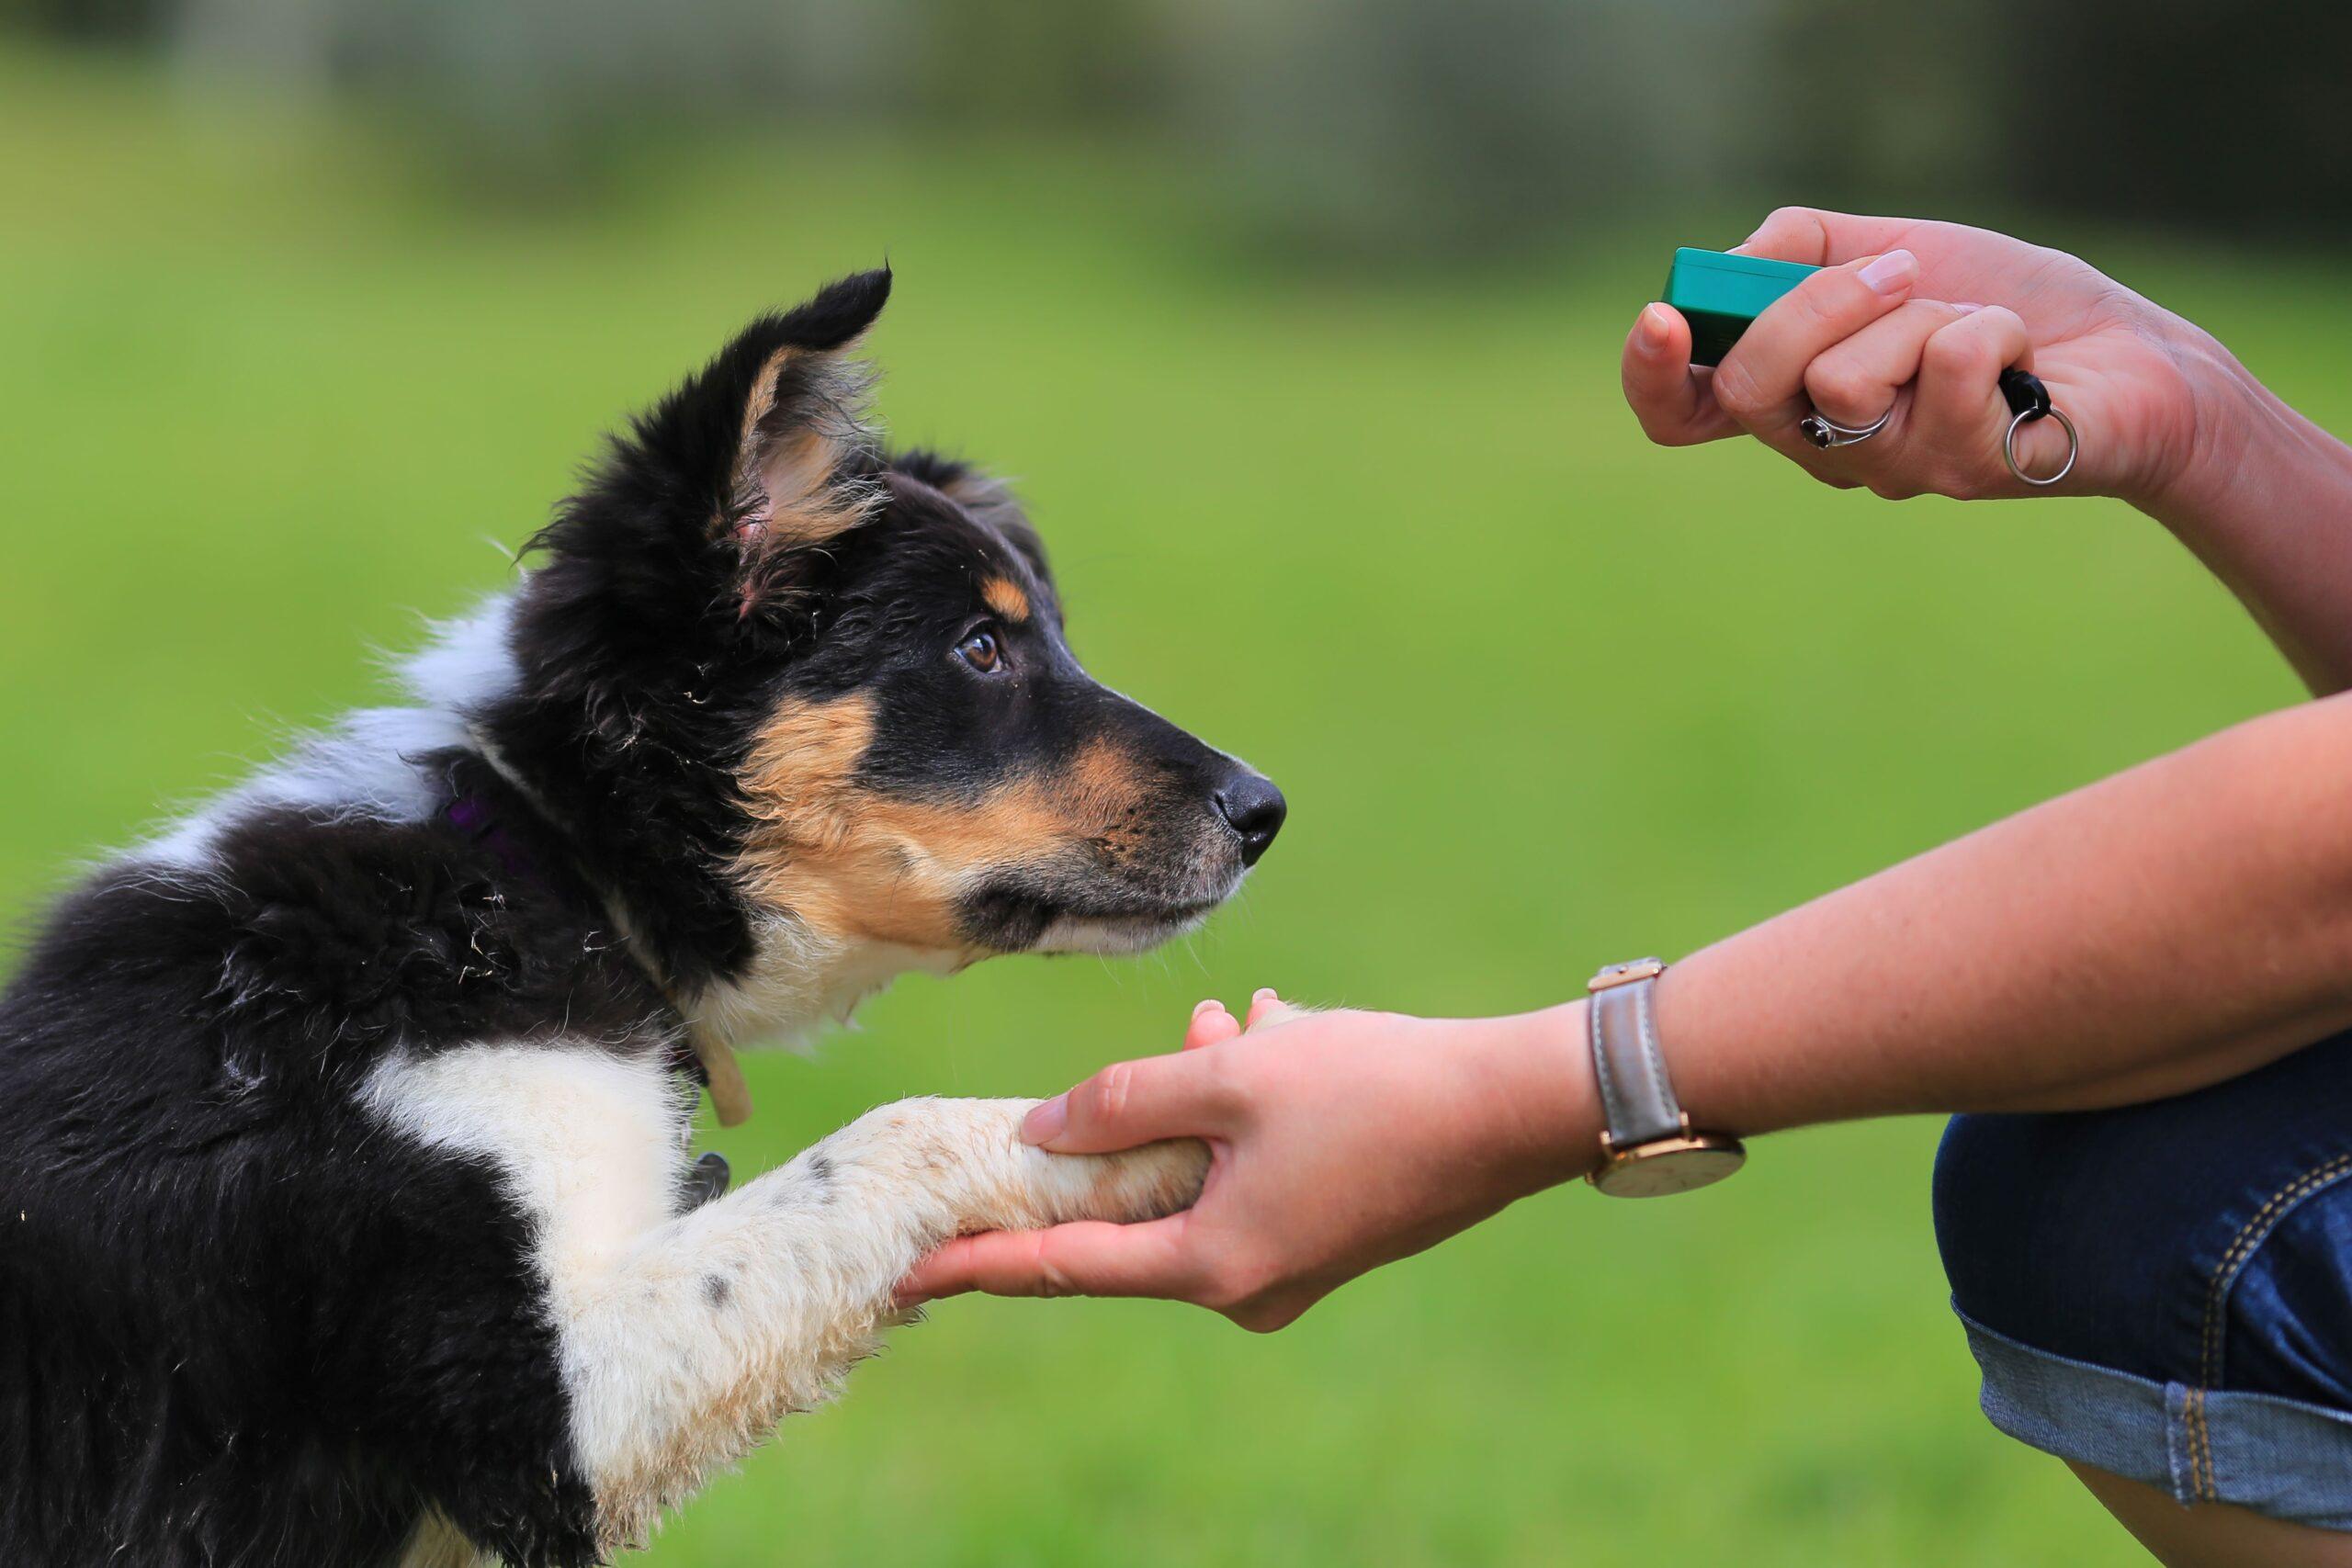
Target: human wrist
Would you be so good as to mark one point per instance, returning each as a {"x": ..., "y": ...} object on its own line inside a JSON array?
[
  {"x": 2226, "y": 418},
  {"x": 1544, "y": 1109}
]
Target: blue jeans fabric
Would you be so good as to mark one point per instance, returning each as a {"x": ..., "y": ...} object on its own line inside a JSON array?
[{"x": 2165, "y": 1290}]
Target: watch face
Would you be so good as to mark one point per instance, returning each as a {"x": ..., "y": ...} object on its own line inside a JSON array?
[{"x": 1669, "y": 1166}]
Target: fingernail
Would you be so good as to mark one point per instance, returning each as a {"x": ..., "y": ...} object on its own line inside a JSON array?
[
  {"x": 1044, "y": 1123},
  {"x": 1205, "y": 1004},
  {"x": 1891, "y": 272},
  {"x": 910, "y": 1299},
  {"x": 1653, "y": 328},
  {"x": 1964, "y": 306},
  {"x": 1262, "y": 993}
]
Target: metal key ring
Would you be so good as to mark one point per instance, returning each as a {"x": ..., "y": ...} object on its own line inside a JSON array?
[{"x": 2009, "y": 446}]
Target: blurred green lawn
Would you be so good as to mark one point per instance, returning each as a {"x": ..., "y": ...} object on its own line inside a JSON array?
[{"x": 267, "y": 394}]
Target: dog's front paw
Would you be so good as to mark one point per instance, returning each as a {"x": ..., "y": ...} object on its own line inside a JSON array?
[
  {"x": 1137, "y": 1184},
  {"x": 961, "y": 1165},
  {"x": 1024, "y": 1187}
]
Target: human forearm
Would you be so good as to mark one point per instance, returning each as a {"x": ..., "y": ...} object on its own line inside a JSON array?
[
  {"x": 2264, "y": 499},
  {"x": 2164, "y": 929}
]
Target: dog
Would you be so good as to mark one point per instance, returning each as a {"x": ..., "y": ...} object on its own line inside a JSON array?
[{"x": 345, "y": 1128}]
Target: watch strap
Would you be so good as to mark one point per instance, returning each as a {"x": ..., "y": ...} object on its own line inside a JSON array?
[{"x": 1635, "y": 1094}]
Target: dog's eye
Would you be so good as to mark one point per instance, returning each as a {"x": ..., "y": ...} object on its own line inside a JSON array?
[{"x": 980, "y": 651}]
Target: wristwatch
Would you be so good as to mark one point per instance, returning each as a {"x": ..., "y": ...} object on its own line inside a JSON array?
[{"x": 1650, "y": 1148}]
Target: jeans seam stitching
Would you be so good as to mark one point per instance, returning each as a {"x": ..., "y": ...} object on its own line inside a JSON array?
[
  {"x": 2240, "y": 1249},
  {"x": 2200, "y": 1450}
]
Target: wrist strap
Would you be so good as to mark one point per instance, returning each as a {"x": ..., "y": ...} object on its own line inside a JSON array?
[{"x": 1634, "y": 1091}]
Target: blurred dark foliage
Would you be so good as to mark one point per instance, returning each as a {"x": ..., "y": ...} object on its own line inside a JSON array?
[
  {"x": 126, "y": 20},
  {"x": 2185, "y": 113},
  {"x": 1391, "y": 130},
  {"x": 2236, "y": 116}
]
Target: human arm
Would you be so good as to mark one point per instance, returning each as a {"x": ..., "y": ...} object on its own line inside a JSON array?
[
  {"x": 2171, "y": 423},
  {"x": 2168, "y": 928}
]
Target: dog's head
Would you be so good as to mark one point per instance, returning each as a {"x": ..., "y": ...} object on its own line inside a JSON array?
[{"x": 773, "y": 675}]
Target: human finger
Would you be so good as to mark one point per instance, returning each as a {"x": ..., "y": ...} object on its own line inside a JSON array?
[
  {"x": 1128, "y": 1104},
  {"x": 1957, "y": 408},
  {"x": 1760, "y": 382},
  {"x": 1820, "y": 238},
  {"x": 1090, "y": 1258},
  {"x": 1211, "y": 1024},
  {"x": 1266, "y": 1008},
  {"x": 1674, "y": 406},
  {"x": 1855, "y": 382}
]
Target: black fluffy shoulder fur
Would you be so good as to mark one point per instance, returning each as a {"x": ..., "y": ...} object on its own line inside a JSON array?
[{"x": 239, "y": 1326}]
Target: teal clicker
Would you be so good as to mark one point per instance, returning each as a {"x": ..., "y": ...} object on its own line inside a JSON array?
[{"x": 1719, "y": 294}]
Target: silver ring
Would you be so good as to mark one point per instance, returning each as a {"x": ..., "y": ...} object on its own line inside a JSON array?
[
  {"x": 1824, "y": 433},
  {"x": 2009, "y": 447}
]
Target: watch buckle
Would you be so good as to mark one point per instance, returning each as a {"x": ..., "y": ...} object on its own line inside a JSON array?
[{"x": 1626, "y": 974}]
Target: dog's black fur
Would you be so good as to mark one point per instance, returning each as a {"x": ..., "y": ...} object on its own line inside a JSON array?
[{"x": 243, "y": 1323}]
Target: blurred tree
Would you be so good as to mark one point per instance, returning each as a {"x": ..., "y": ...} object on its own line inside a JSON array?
[
  {"x": 1388, "y": 128},
  {"x": 1395, "y": 129},
  {"x": 526, "y": 96},
  {"x": 1040, "y": 62},
  {"x": 1896, "y": 111},
  {"x": 2229, "y": 116},
  {"x": 108, "y": 19},
  {"x": 2177, "y": 112}
]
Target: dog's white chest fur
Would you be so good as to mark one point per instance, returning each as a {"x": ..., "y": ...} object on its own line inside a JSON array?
[
  {"x": 686, "y": 1337},
  {"x": 592, "y": 1146}
]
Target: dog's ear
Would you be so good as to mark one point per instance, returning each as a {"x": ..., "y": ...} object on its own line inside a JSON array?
[
  {"x": 702, "y": 509},
  {"x": 774, "y": 425}
]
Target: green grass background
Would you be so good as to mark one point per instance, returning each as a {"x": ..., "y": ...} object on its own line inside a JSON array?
[{"x": 1541, "y": 696}]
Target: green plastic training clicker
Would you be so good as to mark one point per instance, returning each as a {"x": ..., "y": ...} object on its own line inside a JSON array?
[{"x": 1719, "y": 294}]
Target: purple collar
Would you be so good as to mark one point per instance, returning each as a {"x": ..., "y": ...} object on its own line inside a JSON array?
[{"x": 472, "y": 816}]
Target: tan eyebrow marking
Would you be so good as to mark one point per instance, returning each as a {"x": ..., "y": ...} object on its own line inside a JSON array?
[{"x": 1004, "y": 596}]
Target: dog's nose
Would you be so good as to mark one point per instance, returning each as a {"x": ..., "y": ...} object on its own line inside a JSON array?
[{"x": 1255, "y": 808}]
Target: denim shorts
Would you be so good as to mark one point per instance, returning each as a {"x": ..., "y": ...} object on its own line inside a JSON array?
[{"x": 2165, "y": 1290}]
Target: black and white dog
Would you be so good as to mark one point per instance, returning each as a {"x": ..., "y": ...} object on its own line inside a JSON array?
[{"x": 346, "y": 1214}]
